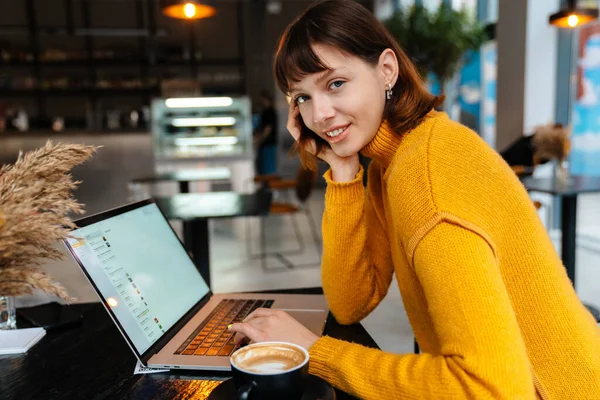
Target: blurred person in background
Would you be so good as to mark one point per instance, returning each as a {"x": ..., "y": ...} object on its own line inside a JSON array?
[{"x": 265, "y": 137}]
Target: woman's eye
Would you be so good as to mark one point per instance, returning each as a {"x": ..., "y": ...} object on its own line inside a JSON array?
[
  {"x": 301, "y": 99},
  {"x": 336, "y": 84}
]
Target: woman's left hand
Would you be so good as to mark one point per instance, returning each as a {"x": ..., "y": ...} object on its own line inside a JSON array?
[{"x": 266, "y": 325}]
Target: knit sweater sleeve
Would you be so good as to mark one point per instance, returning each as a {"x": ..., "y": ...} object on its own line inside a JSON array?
[
  {"x": 482, "y": 354},
  {"x": 357, "y": 268}
]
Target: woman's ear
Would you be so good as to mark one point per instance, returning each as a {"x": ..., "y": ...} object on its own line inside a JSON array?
[{"x": 388, "y": 66}]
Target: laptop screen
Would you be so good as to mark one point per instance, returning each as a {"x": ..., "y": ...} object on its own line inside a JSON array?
[{"x": 141, "y": 269}]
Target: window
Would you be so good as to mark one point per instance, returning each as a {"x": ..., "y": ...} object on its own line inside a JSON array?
[{"x": 492, "y": 10}]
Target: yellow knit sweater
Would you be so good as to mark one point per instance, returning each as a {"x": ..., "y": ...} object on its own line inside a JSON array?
[{"x": 489, "y": 301}]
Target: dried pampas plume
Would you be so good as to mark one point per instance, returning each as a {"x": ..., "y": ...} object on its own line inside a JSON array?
[
  {"x": 551, "y": 141},
  {"x": 35, "y": 202}
]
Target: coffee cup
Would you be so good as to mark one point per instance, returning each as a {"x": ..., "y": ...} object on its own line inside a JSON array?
[{"x": 270, "y": 370}]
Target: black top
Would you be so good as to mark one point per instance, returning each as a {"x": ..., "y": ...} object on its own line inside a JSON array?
[
  {"x": 190, "y": 206},
  {"x": 573, "y": 186},
  {"x": 269, "y": 118},
  {"x": 519, "y": 152}
]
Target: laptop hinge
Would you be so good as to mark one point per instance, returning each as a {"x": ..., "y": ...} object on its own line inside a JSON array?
[{"x": 166, "y": 338}]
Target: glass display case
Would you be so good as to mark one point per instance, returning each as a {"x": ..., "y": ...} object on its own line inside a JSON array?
[{"x": 202, "y": 128}]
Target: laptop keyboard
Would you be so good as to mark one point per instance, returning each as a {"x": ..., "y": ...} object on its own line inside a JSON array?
[{"x": 211, "y": 337}]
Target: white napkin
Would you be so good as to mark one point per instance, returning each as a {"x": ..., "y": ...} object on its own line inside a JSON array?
[
  {"x": 16, "y": 341},
  {"x": 140, "y": 369}
]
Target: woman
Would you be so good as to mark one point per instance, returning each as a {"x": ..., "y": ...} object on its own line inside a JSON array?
[{"x": 486, "y": 294}]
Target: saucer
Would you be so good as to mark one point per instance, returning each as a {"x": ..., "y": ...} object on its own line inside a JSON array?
[{"x": 316, "y": 389}]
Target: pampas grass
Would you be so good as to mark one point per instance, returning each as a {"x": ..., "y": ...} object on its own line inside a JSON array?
[{"x": 35, "y": 202}]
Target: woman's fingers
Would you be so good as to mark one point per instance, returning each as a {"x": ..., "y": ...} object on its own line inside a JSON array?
[
  {"x": 272, "y": 325},
  {"x": 293, "y": 124},
  {"x": 246, "y": 330},
  {"x": 259, "y": 312},
  {"x": 239, "y": 338}
]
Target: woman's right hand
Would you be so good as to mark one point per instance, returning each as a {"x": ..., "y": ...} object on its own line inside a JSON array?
[
  {"x": 269, "y": 325},
  {"x": 344, "y": 169}
]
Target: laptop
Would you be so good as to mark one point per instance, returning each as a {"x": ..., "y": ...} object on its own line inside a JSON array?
[{"x": 156, "y": 296}]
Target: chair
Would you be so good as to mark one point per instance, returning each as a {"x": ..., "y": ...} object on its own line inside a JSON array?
[{"x": 283, "y": 204}]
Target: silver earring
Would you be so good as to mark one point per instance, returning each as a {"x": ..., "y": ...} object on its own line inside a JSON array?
[{"x": 388, "y": 91}]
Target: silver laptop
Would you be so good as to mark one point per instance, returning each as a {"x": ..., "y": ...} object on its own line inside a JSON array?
[{"x": 156, "y": 296}]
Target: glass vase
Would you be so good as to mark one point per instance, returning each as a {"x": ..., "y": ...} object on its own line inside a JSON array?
[
  {"x": 561, "y": 171},
  {"x": 8, "y": 314}
]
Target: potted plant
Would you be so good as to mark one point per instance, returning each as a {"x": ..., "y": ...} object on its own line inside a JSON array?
[
  {"x": 35, "y": 205},
  {"x": 436, "y": 41}
]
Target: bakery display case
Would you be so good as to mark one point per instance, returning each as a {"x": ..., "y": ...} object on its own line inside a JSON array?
[{"x": 202, "y": 128}]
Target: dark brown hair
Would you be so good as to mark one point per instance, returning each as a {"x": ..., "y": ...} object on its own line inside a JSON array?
[{"x": 353, "y": 30}]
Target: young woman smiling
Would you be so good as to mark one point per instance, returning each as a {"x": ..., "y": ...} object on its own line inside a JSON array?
[{"x": 487, "y": 296}]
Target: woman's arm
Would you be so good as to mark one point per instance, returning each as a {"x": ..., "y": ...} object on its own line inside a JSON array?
[
  {"x": 357, "y": 268},
  {"x": 482, "y": 354}
]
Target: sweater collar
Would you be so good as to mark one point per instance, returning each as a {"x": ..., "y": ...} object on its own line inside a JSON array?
[
  {"x": 386, "y": 142},
  {"x": 383, "y": 146}
]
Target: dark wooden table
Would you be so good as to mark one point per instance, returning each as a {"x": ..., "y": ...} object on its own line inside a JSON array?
[
  {"x": 92, "y": 361},
  {"x": 195, "y": 209},
  {"x": 184, "y": 177},
  {"x": 568, "y": 191}
]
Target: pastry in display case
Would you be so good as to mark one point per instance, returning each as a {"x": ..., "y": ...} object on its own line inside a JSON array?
[{"x": 202, "y": 128}]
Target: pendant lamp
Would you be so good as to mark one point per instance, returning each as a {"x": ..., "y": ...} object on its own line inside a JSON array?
[
  {"x": 187, "y": 9},
  {"x": 572, "y": 16}
]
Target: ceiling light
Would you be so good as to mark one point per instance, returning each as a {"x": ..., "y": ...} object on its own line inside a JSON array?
[
  {"x": 206, "y": 141},
  {"x": 571, "y": 16},
  {"x": 191, "y": 102},
  {"x": 187, "y": 9},
  {"x": 208, "y": 121}
]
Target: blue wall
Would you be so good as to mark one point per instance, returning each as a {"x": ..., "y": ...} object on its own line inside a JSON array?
[{"x": 585, "y": 152}]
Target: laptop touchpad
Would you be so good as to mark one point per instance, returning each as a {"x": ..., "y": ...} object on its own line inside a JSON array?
[{"x": 313, "y": 320}]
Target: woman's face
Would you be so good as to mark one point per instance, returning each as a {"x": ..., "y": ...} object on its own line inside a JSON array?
[{"x": 344, "y": 105}]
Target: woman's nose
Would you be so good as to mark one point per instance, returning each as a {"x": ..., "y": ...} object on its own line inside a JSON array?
[{"x": 323, "y": 110}]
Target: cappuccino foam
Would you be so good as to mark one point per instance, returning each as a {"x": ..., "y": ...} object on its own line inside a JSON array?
[{"x": 268, "y": 358}]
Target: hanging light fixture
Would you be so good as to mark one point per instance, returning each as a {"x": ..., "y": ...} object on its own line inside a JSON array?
[
  {"x": 572, "y": 16},
  {"x": 187, "y": 9}
]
